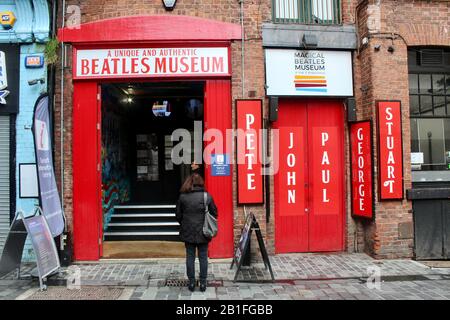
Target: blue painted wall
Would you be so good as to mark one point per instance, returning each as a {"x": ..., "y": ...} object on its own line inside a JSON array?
[
  {"x": 31, "y": 31},
  {"x": 24, "y": 136}
]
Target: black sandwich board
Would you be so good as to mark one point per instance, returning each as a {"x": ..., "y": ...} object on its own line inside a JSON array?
[
  {"x": 244, "y": 243},
  {"x": 43, "y": 244}
]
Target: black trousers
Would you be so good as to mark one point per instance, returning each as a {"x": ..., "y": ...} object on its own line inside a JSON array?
[{"x": 202, "y": 257}]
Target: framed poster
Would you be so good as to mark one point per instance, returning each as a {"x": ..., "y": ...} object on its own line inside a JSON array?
[
  {"x": 390, "y": 150},
  {"x": 294, "y": 72},
  {"x": 28, "y": 183},
  {"x": 249, "y": 153},
  {"x": 362, "y": 169}
]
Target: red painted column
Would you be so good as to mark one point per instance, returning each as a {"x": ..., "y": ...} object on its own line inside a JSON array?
[
  {"x": 86, "y": 216},
  {"x": 218, "y": 116}
]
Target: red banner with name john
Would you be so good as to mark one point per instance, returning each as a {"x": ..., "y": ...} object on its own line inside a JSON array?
[
  {"x": 361, "y": 160},
  {"x": 390, "y": 150},
  {"x": 292, "y": 172},
  {"x": 249, "y": 126}
]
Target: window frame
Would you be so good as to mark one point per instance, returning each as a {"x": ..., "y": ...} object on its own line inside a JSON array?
[{"x": 415, "y": 69}]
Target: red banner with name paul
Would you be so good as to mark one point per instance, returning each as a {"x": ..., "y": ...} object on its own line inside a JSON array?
[
  {"x": 361, "y": 160},
  {"x": 390, "y": 150},
  {"x": 325, "y": 182},
  {"x": 249, "y": 127}
]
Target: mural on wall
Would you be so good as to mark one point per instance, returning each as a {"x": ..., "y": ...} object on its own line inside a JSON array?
[{"x": 115, "y": 181}]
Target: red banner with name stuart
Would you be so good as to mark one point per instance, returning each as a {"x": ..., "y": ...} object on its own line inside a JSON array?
[
  {"x": 249, "y": 126},
  {"x": 361, "y": 160},
  {"x": 390, "y": 151}
]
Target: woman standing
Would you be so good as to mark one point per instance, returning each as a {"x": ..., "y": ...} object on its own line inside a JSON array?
[{"x": 191, "y": 216}]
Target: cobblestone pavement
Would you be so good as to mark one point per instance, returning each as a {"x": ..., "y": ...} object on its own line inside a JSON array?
[
  {"x": 305, "y": 290},
  {"x": 298, "y": 276},
  {"x": 11, "y": 289},
  {"x": 285, "y": 267}
]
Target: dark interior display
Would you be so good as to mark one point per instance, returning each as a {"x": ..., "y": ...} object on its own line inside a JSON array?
[{"x": 138, "y": 122}]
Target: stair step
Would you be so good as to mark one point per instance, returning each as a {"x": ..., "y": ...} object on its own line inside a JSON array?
[
  {"x": 143, "y": 215},
  {"x": 168, "y": 206},
  {"x": 130, "y": 233},
  {"x": 142, "y": 224}
]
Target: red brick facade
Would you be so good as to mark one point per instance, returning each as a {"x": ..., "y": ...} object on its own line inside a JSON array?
[
  {"x": 378, "y": 75},
  {"x": 381, "y": 75}
]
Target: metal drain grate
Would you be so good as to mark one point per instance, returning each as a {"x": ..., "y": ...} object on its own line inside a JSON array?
[
  {"x": 185, "y": 282},
  {"x": 176, "y": 283}
]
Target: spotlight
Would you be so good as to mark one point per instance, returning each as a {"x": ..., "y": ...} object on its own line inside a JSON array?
[{"x": 391, "y": 49}]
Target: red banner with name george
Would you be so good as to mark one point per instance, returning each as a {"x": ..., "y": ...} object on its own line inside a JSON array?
[
  {"x": 390, "y": 150},
  {"x": 249, "y": 127},
  {"x": 361, "y": 160}
]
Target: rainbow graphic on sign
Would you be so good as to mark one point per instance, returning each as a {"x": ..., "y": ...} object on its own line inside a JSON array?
[{"x": 310, "y": 83}]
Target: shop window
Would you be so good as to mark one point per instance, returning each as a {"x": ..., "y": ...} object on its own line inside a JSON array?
[{"x": 429, "y": 101}]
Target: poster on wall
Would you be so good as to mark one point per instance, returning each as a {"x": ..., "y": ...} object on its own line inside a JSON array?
[
  {"x": 390, "y": 150},
  {"x": 147, "y": 161},
  {"x": 361, "y": 169},
  {"x": 249, "y": 153},
  {"x": 48, "y": 192},
  {"x": 309, "y": 73},
  {"x": 9, "y": 78}
]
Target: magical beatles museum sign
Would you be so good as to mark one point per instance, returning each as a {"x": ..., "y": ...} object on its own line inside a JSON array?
[
  {"x": 390, "y": 150},
  {"x": 361, "y": 168},
  {"x": 151, "y": 62}
]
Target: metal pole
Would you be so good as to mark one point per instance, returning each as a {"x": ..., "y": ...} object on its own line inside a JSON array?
[{"x": 62, "y": 111}]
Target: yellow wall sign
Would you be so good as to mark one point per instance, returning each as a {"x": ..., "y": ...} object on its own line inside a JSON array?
[{"x": 8, "y": 19}]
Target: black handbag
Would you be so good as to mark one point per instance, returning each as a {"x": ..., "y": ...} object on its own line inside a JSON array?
[{"x": 210, "y": 223}]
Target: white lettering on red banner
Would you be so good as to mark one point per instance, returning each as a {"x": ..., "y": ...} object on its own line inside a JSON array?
[
  {"x": 325, "y": 182},
  {"x": 249, "y": 125},
  {"x": 390, "y": 150},
  {"x": 291, "y": 171},
  {"x": 361, "y": 158},
  {"x": 151, "y": 62}
]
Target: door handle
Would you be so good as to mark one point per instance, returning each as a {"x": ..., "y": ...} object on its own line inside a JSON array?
[{"x": 306, "y": 210}]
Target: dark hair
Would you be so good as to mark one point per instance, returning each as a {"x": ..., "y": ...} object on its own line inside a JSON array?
[{"x": 194, "y": 180}]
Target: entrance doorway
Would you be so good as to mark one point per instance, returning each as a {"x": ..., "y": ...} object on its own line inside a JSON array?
[
  {"x": 309, "y": 186},
  {"x": 140, "y": 180}
]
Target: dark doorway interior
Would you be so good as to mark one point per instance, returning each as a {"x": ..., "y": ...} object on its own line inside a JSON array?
[{"x": 138, "y": 120}]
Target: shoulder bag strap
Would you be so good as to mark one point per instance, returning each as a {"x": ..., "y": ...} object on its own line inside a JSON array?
[{"x": 205, "y": 202}]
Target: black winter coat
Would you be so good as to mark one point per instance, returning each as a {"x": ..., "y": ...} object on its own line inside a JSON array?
[{"x": 191, "y": 215}]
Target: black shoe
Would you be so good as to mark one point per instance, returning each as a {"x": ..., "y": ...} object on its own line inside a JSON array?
[
  {"x": 191, "y": 285},
  {"x": 203, "y": 286}
]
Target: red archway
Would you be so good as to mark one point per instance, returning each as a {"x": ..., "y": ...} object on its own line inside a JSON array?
[{"x": 144, "y": 29}]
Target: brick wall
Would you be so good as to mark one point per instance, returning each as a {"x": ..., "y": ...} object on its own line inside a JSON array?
[
  {"x": 255, "y": 12},
  {"x": 377, "y": 75},
  {"x": 381, "y": 75}
]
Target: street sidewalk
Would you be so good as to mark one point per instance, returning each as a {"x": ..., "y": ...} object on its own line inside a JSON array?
[
  {"x": 302, "y": 276},
  {"x": 285, "y": 267}
]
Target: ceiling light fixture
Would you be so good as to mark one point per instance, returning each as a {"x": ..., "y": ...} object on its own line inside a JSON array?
[{"x": 169, "y": 5}]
